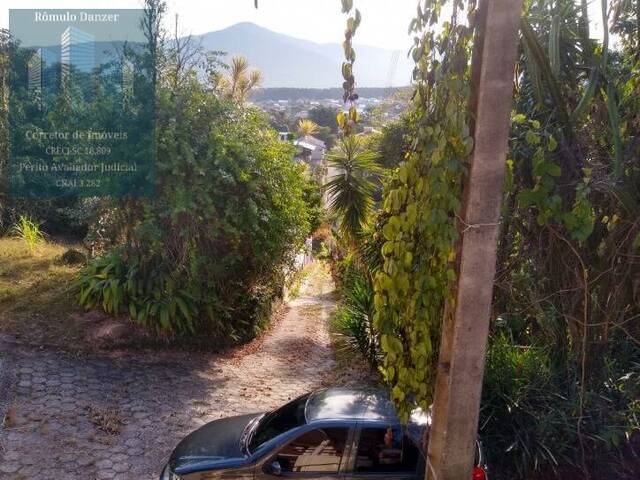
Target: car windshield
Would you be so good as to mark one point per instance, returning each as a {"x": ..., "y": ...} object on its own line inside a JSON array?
[{"x": 278, "y": 422}]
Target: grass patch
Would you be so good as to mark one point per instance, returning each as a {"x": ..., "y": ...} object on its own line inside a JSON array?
[
  {"x": 108, "y": 420},
  {"x": 34, "y": 302},
  {"x": 29, "y": 232},
  {"x": 37, "y": 307}
]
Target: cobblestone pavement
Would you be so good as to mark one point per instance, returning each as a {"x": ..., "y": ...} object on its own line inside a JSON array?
[{"x": 118, "y": 416}]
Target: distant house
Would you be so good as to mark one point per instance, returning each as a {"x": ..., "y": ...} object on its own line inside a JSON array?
[{"x": 312, "y": 150}]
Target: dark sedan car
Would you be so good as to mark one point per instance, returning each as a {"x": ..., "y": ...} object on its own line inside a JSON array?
[{"x": 329, "y": 434}]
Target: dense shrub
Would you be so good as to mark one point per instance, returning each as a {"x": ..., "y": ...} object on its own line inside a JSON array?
[
  {"x": 530, "y": 414},
  {"x": 394, "y": 142},
  {"x": 206, "y": 254},
  {"x": 312, "y": 194}
]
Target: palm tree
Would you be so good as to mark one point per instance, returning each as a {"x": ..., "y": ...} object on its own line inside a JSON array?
[
  {"x": 351, "y": 190},
  {"x": 307, "y": 127},
  {"x": 240, "y": 82}
]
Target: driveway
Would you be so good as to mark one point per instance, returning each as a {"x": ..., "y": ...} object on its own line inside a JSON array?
[{"x": 117, "y": 416}]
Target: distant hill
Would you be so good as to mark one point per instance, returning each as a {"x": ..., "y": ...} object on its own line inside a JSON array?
[{"x": 291, "y": 62}]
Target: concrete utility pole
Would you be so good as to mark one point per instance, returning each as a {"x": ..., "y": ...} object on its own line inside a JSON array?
[{"x": 464, "y": 336}]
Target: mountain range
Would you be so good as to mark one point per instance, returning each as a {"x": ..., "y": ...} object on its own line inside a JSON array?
[{"x": 292, "y": 62}]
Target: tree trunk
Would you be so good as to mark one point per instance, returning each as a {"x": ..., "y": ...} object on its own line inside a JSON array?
[{"x": 466, "y": 324}]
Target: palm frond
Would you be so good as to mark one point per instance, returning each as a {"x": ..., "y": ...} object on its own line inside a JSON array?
[
  {"x": 307, "y": 127},
  {"x": 351, "y": 190}
]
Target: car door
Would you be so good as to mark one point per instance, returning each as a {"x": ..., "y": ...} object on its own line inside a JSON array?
[
  {"x": 317, "y": 454},
  {"x": 384, "y": 453}
]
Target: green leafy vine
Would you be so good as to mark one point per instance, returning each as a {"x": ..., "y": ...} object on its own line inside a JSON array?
[
  {"x": 422, "y": 203},
  {"x": 540, "y": 146}
]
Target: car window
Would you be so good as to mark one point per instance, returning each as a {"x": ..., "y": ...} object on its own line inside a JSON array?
[
  {"x": 279, "y": 421},
  {"x": 383, "y": 450},
  {"x": 316, "y": 451}
]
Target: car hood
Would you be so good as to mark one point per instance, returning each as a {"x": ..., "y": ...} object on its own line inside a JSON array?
[{"x": 214, "y": 445}]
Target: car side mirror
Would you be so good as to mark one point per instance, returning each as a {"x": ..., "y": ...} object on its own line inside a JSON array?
[{"x": 273, "y": 468}]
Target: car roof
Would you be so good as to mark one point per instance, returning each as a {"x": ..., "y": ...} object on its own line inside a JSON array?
[{"x": 367, "y": 405}]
